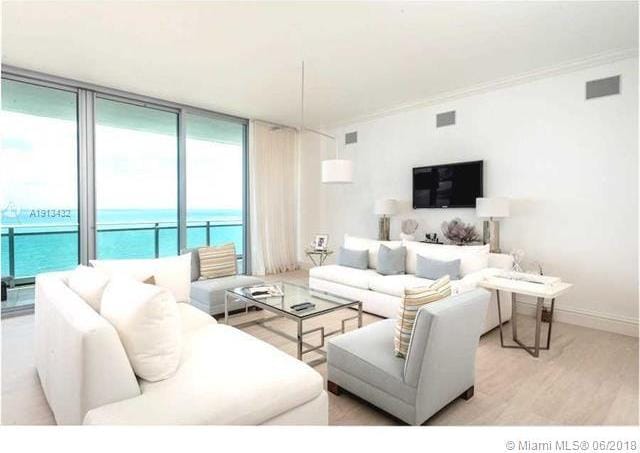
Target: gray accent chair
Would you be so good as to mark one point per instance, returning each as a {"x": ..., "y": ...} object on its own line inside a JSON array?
[
  {"x": 208, "y": 295},
  {"x": 440, "y": 363}
]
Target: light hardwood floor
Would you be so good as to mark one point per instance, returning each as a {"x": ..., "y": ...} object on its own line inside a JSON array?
[{"x": 589, "y": 377}]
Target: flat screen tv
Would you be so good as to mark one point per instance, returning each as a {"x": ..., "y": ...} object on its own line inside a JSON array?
[{"x": 447, "y": 186}]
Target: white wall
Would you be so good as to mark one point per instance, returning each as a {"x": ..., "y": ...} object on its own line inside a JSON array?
[{"x": 569, "y": 165}]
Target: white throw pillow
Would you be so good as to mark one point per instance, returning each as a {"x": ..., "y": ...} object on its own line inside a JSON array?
[
  {"x": 89, "y": 284},
  {"x": 475, "y": 259},
  {"x": 372, "y": 245},
  {"x": 172, "y": 273},
  {"x": 147, "y": 320}
]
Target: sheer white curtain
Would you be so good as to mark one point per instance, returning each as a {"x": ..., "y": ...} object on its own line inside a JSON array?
[{"x": 273, "y": 193}]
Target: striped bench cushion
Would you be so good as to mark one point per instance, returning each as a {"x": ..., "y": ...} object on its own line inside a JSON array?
[
  {"x": 217, "y": 261},
  {"x": 413, "y": 300}
]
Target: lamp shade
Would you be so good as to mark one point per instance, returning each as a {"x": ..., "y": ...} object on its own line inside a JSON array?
[
  {"x": 386, "y": 206},
  {"x": 492, "y": 207},
  {"x": 337, "y": 171}
]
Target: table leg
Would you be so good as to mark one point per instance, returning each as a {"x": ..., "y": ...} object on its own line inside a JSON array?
[
  {"x": 553, "y": 301},
  {"x": 499, "y": 317},
  {"x": 226, "y": 308},
  {"x": 514, "y": 324},
  {"x": 536, "y": 351},
  {"x": 299, "y": 339},
  {"x": 359, "y": 314}
]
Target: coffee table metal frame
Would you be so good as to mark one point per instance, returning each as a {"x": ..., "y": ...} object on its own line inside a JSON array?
[{"x": 301, "y": 333}]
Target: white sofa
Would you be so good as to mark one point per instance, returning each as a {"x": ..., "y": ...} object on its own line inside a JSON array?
[
  {"x": 225, "y": 376},
  {"x": 381, "y": 294}
]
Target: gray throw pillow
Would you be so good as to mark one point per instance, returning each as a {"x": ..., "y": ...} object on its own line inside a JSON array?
[
  {"x": 358, "y": 259},
  {"x": 195, "y": 262},
  {"x": 391, "y": 261},
  {"x": 434, "y": 269}
]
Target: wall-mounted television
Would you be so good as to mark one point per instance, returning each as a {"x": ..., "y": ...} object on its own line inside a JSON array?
[{"x": 447, "y": 186}]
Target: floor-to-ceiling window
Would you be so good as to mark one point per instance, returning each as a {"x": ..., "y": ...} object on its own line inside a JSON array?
[
  {"x": 215, "y": 188},
  {"x": 38, "y": 181},
  {"x": 90, "y": 172},
  {"x": 136, "y": 167}
]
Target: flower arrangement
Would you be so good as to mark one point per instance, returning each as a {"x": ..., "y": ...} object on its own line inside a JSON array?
[{"x": 459, "y": 233}]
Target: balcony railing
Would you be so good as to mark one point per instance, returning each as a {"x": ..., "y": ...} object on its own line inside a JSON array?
[{"x": 57, "y": 244}]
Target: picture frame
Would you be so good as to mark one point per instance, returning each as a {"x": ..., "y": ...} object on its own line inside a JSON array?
[{"x": 320, "y": 242}]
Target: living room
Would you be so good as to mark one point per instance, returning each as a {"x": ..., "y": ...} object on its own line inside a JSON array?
[{"x": 394, "y": 213}]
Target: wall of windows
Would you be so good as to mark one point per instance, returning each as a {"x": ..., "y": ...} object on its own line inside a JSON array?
[{"x": 90, "y": 172}]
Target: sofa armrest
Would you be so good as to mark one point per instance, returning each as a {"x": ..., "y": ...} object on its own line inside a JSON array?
[{"x": 79, "y": 357}]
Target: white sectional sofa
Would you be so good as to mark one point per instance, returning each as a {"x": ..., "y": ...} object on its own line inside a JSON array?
[
  {"x": 381, "y": 294},
  {"x": 224, "y": 377}
]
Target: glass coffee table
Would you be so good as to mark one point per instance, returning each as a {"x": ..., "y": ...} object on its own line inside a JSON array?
[{"x": 280, "y": 306}]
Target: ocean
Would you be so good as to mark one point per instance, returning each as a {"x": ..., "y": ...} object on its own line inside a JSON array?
[{"x": 47, "y": 240}]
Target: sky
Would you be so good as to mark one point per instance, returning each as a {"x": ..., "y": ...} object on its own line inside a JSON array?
[{"x": 134, "y": 169}]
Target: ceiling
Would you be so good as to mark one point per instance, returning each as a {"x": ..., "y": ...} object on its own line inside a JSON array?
[{"x": 244, "y": 58}]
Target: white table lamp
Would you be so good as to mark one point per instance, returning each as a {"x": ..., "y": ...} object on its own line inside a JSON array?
[
  {"x": 385, "y": 208},
  {"x": 492, "y": 209}
]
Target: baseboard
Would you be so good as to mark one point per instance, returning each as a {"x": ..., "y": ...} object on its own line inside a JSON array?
[
  {"x": 585, "y": 318},
  {"x": 305, "y": 265}
]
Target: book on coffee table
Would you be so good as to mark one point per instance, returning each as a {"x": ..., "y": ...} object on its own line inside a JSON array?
[{"x": 262, "y": 292}]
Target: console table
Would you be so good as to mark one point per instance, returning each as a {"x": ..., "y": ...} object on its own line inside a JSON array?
[{"x": 541, "y": 292}]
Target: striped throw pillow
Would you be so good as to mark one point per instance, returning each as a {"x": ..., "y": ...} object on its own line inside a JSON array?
[
  {"x": 413, "y": 300},
  {"x": 217, "y": 261}
]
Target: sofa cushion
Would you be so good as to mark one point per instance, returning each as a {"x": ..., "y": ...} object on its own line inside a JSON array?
[
  {"x": 358, "y": 259},
  {"x": 192, "y": 319},
  {"x": 367, "y": 354},
  {"x": 391, "y": 261},
  {"x": 412, "y": 301},
  {"x": 225, "y": 377},
  {"x": 89, "y": 284},
  {"x": 220, "y": 261},
  {"x": 394, "y": 285},
  {"x": 473, "y": 258},
  {"x": 212, "y": 290},
  {"x": 172, "y": 272},
  {"x": 195, "y": 262},
  {"x": 433, "y": 269},
  {"x": 148, "y": 323},
  {"x": 356, "y": 243},
  {"x": 358, "y": 278}
]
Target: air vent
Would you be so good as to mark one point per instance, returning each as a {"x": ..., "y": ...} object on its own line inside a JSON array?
[
  {"x": 351, "y": 138},
  {"x": 603, "y": 87},
  {"x": 446, "y": 119}
]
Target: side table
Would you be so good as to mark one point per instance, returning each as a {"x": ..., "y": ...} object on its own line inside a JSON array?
[
  {"x": 541, "y": 292},
  {"x": 318, "y": 257}
]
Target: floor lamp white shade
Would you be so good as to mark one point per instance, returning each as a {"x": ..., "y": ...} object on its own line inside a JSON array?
[{"x": 337, "y": 171}]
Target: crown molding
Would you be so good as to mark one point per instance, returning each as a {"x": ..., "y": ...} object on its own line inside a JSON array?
[{"x": 519, "y": 79}]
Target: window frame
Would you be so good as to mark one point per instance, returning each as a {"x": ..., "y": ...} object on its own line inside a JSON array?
[{"x": 87, "y": 94}]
